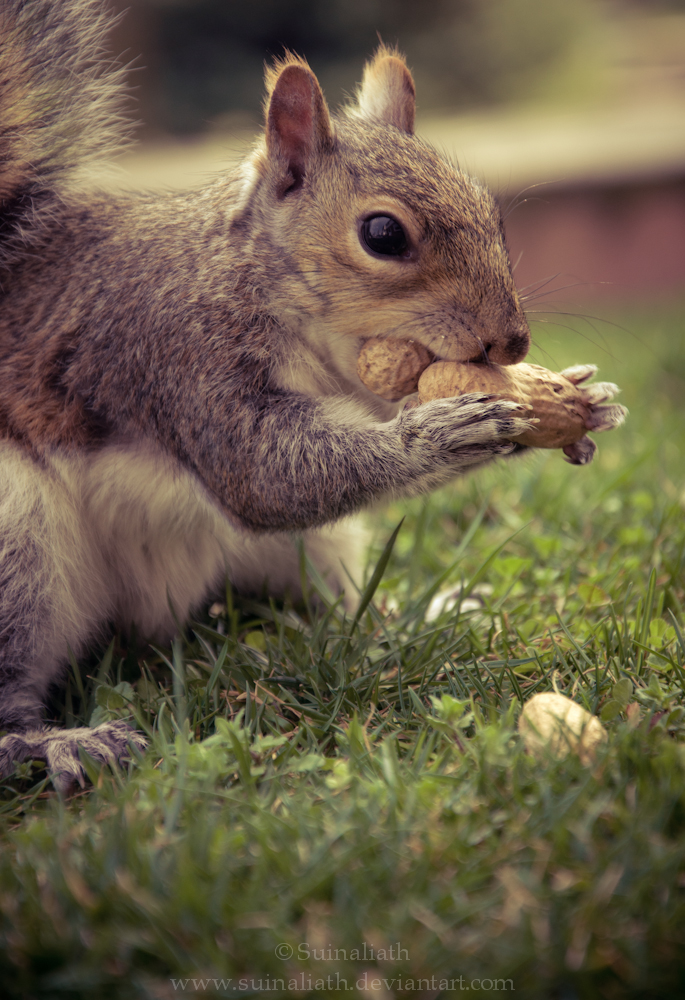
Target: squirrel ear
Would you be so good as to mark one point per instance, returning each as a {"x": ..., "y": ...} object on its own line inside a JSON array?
[
  {"x": 297, "y": 120},
  {"x": 387, "y": 92}
]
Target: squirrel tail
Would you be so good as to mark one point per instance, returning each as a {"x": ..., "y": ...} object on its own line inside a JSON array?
[{"x": 61, "y": 106}]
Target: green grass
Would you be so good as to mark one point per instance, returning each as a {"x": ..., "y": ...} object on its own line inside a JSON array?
[{"x": 317, "y": 782}]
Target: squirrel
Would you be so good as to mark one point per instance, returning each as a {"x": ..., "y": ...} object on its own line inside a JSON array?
[{"x": 179, "y": 397}]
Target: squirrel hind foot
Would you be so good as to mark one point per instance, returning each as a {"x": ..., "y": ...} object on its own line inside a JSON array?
[{"x": 59, "y": 748}]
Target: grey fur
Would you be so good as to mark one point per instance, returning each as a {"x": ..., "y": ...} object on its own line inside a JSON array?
[{"x": 61, "y": 102}]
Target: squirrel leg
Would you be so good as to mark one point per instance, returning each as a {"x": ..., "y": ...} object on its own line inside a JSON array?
[
  {"x": 338, "y": 552},
  {"x": 297, "y": 464},
  {"x": 22, "y": 690},
  {"x": 271, "y": 562},
  {"x": 44, "y": 611}
]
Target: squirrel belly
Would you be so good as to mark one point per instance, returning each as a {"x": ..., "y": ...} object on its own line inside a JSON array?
[{"x": 178, "y": 383}]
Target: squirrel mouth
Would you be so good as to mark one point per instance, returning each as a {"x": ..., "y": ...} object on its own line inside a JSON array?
[
  {"x": 466, "y": 348},
  {"x": 482, "y": 358}
]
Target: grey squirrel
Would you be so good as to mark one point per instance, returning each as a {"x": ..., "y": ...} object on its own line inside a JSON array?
[{"x": 178, "y": 390}]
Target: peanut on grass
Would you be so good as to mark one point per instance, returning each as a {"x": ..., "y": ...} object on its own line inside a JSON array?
[{"x": 551, "y": 723}]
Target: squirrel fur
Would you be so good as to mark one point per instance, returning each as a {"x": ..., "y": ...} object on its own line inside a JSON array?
[{"x": 178, "y": 386}]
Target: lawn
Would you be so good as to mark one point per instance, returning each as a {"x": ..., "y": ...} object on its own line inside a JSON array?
[{"x": 342, "y": 806}]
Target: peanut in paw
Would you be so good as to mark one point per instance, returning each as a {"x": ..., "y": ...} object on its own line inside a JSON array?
[{"x": 555, "y": 402}]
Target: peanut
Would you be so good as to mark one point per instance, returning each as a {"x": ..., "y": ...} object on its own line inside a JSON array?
[
  {"x": 552, "y": 723},
  {"x": 391, "y": 368}
]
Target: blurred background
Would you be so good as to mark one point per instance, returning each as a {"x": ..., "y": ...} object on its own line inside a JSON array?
[{"x": 573, "y": 112}]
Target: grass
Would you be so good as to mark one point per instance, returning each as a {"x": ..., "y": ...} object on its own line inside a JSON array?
[{"x": 342, "y": 806}]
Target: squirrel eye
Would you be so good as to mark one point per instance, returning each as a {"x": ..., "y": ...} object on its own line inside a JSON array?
[{"x": 384, "y": 235}]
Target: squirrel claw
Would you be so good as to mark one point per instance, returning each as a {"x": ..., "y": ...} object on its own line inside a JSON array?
[
  {"x": 579, "y": 373},
  {"x": 599, "y": 392},
  {"x": 605, "y": 418},
  {"x": 580, "y": 452}
]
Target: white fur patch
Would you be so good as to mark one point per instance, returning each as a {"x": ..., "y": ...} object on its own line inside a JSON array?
[{"x": 120, "y": 533}]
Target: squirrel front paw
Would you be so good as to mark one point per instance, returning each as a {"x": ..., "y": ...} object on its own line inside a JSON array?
[
  {"x": 601, "y": 417},
  {"x": 594, "y": 396},
  {"x": 462, "y": 431}
]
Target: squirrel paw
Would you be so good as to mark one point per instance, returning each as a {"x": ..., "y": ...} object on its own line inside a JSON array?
[
  {"x": 444, "y": 437},
  {"x": 59, "y": 748},
  {"x": 601, "y": 418},
  {"x": 579, "y": 373},
  {"x": 452, "y": 424},
  {"x": 580, "y": 452}
]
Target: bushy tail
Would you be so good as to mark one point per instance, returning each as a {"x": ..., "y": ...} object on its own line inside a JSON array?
[{"x": 61, "y": 103}]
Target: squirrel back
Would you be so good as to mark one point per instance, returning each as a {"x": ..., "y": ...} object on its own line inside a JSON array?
[{"x": 61, "y": 102}]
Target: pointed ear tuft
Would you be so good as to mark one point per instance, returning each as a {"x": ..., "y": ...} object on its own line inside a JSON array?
[
  {"x": 297, "y": 120},
  {"x": 387, "y": 92}
]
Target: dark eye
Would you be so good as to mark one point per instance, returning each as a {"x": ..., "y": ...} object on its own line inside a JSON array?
[{"x": 383, "y": 234}]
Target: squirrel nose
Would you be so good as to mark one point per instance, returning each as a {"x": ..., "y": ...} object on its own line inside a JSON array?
[{"x": 512, "y": 347}]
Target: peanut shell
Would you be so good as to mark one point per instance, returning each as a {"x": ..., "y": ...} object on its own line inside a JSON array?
[
  {"x": 552, "y": 723},
  {"x": 555, "y": 401},
  {"x": 391, "y": 368}
]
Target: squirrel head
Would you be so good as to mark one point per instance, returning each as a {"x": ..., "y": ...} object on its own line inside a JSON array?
[{"x": 376, "y": 233}]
